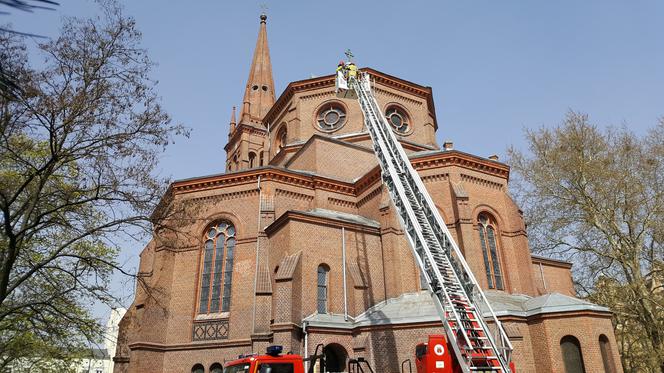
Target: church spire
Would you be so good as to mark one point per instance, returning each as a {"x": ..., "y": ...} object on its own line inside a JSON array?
[
  {"x": 233, "y": 122},
  {"x": 259, "y": 92}
]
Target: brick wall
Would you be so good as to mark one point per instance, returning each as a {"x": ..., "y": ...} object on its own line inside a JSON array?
[{"x": 157, "y": 330}]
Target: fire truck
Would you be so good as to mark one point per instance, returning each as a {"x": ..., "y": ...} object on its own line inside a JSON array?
[
  {"x": 474, "y": 339},
  {"x": 430, "y": 357},
  {"x": 435, "y": 359}
]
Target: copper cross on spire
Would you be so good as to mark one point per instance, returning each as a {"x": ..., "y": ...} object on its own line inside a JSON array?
[
  {"x": 263, "y": 12},
  {"x": 349, "y": 54}
]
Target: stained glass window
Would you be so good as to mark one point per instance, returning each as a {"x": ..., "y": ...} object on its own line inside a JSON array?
[
  {"x": 217, "y": 269},
  {"x": 488, "y": 240}
]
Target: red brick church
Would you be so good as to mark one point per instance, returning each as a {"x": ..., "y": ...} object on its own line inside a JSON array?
[{"x": 254, "y": 256}]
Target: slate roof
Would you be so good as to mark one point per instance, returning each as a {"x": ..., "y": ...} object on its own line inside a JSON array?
[{"x": 419, "y": 307}]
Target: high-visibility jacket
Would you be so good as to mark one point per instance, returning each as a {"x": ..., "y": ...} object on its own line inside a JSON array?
[{"x": 352, "y": 71}]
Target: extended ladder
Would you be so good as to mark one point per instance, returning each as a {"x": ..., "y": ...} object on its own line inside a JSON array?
[{"x": 461, "y": 303}]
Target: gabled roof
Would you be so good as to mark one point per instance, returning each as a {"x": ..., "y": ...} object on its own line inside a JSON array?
[
  {"x": 328, "y": 81},
  {"x": 324, "y": 216},
  {"x": 319, "y": 137}
]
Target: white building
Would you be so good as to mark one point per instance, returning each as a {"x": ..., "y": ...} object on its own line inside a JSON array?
[{"x": 101, "y": 359}]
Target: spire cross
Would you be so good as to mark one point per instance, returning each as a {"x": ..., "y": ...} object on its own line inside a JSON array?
[
  {"x": 349, "y": 54},
  {"x": 263, "y": 8}
]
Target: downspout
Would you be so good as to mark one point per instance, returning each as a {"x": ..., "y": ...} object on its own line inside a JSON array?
[
  {"x": 542, "y": 275},
  {"x": 306, "y": 346},
  {"x": 343, "y": 268},
  {"x": 269, "y": 145},
  {"x": 260, "y": 199}
]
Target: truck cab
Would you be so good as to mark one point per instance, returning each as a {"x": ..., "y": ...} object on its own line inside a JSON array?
[{"x": 272, "y": 362}]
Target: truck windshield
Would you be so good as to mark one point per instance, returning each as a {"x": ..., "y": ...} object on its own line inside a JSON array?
[
  {"x": 238, "y": 368},
  {"x": 275, "y": 368}
]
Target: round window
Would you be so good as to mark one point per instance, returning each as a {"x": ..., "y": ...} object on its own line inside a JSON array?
[
  {"x": 398, "y": 119},
  {"x": 331, "y": 117}
]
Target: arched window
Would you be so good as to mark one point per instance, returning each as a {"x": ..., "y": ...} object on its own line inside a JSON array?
[
  {"x": 282, "y": 137},
  {"x": 572, "y": 357},
  {"x": 235, "y": 163},
  {"x": 607, "y": 356},
  {"x": 261, "y": 158},
  {"x": 322, "y": 288},
  {"x": 216, "y": 368},
  {"x": 487, "y": 228},
  {"x": 198, "y": 368},
  {"x": 217, "y": 266},
  {"x": 252, "y": 158}
]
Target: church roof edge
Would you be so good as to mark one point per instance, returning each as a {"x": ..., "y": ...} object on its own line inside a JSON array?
[{"x": 328, "y": 80}]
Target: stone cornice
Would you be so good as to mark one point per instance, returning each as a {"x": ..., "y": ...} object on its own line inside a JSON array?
[
  {"x": 421, "y": 162},
  {"x": 159, "y": 347},
  {"x": 460, "y": 159},
  {"x": 266, "y": 174},
  {"x": 441, "y": 159},
  {"x": 550, "y": 262}
]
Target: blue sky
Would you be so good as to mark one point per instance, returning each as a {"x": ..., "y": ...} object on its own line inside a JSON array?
[{"x": 496, "y": 67}]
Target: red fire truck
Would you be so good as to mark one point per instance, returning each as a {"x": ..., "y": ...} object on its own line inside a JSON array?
[
  {"x": 272, "y": 362},
  {"x": 434, "y": 356}
]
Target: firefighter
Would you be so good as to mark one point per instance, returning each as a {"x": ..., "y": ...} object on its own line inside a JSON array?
[
  {"x": 342, "y": 67},
  {"x": 352, "y": 71}
]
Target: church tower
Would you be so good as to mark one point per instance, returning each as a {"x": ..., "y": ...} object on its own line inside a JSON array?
[{"x": 247, "y": 139}]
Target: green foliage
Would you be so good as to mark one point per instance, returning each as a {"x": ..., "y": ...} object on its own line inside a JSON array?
[
  {"x": 596, "y": 197},
  {"x": 79, "y": 144}
]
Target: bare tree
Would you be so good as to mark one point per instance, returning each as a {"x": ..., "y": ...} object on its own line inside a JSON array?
[
  {"x": 79, "y": 144},
  {"x": 596, "y": 197}
]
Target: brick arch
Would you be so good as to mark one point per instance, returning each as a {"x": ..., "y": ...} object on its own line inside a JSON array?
[
  {"x": 500, "y": 221},
  {"x": 335, "y": 340},
  {"x": 277, "y": 136},
  {"x": 572, "y": 354},
  {"x": 203, "y": 224}
]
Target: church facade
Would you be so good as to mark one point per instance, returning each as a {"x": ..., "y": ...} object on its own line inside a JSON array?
[{"x": 298, "y": 244}]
